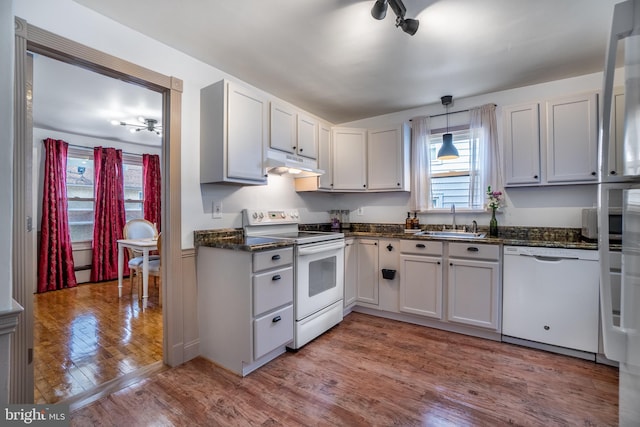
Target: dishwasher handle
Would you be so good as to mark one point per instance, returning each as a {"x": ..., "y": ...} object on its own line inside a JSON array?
[{"x": 546, "y": 258}]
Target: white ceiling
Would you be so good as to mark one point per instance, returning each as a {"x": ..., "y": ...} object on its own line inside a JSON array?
[
  {"x": 71, "y": 99},
  {"x": 331, "y": 58}
]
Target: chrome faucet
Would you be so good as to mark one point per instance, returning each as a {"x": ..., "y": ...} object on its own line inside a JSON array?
[
  {"x": 474, "y": 226},
  {"x": 453, "y": 212}
]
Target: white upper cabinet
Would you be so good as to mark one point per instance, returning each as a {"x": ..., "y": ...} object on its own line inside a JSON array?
[
  {"x": 572, "y": 138},
  {"x": 349, "y": 160},
  {"x": 233, "y": 134},
  {"x": 522, "y": 144},
  {"x": 387, "y": 155},
  {"x": 325, "y": 161},
  {"x": 307, "y": 136},
  {"x": 283, "y": 128},
  {"x": 552, "y": 143},
  {"x": 292, "y": 131}
]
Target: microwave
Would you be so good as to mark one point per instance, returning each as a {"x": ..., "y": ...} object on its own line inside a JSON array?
[{"x": 590, "y": 223}]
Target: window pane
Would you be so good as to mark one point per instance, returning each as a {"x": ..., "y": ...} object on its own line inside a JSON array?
[
  {"x": 450, "y": 178},
  {"x": 133, "y": 189}
]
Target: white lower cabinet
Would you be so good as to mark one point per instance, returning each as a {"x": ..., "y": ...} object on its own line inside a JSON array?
[
  {"x": 421, "y": 272},
  {"x": 367, "y": 282},
  {"x": 473, "y": 285},
  {"x": 245, "y": 306},
  {"x": 350, "y": 271}
]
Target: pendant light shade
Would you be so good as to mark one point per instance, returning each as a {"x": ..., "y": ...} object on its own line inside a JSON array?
[{"x": 447, "y": 151}]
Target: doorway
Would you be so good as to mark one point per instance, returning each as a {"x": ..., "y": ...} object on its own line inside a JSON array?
[
  {"x": 34, "y": 39},
  {"x": 86, "y": 336}
]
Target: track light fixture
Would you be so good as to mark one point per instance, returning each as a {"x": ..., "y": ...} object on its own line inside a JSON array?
[
  {"x": 379, "y": 11},
  {"x": 448, "y": 151}
]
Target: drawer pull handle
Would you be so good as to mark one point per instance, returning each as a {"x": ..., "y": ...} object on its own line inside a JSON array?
[
  {"x": 420, "y": 245},
  {"x": 276, "y": 319},
  {"x": 275, "y": 257},
  {"x": 472, "y": 249},
  {"x": 276, "y": 277}
]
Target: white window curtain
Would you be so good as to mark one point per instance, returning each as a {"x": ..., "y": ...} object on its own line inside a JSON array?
[
  {"x": 420, "y": 165},
  {"x": 485, "y": 167}
]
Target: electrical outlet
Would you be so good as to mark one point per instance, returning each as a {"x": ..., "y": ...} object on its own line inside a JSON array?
[
  {"x": 217, "y": 210},
  {"x": 360, "y": 211}
]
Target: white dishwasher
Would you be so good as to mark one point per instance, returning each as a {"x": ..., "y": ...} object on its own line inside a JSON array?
[{"x": 551, "y": 298}]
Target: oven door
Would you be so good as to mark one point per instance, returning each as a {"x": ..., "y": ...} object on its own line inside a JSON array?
[{"x": 319, "y": 276}]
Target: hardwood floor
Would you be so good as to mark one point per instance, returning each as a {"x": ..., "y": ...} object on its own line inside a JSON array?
[
  {"x": 373, "y": 371},
  {"x": 86, "y": 336}
]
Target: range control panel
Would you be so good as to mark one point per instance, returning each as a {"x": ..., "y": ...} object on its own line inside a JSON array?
[{"x": 264, "y": 217}]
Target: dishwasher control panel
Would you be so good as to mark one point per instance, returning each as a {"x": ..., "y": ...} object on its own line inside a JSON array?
[{"x": 536, "y": 251}]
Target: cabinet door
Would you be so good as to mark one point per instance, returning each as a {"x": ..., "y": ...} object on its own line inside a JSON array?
[
  {"x": 522, "y": 144},
  {"x": 283, "y": 128},
  {"x": 384, "y": 159},
  {"x": 389, "y": 286},
  {"x": 616, "y": 136},
  {"x": 350, "y": 271},
  {"x": 324, "y": 157},
  {"x": 572, "y": 138},
  {"x": 247, "y": 134},
  {"x": 367, "y": 271},
  {"x": 473, "y": 293},
  {"x": 421, "y": 285},
  {"x": 307, "y": 137},
  {"x": 349, "y": 165}
]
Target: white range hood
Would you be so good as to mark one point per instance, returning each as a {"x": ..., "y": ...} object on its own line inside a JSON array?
[{"x": 281, "y": 163}]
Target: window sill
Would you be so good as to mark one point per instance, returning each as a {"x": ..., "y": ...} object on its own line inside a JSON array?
[{"x": 458, "y": 211}]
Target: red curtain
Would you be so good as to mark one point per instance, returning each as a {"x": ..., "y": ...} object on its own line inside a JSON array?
[
  {"x": 55, "y": 261},
  {"x": 151, "y": 188},
  {"x": 109, "y": 216}
]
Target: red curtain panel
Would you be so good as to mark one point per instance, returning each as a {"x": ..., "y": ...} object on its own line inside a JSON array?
[
  {"x": 55, "y": 261},
  {"x": 109, "y": 216},
  {"x": 151, "y": 187}
]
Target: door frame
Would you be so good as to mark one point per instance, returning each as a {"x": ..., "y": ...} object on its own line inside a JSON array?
[{"x": 37, "y": 40}]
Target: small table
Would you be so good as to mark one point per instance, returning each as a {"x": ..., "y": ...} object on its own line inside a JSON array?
[{"x": 139, "y": 245}]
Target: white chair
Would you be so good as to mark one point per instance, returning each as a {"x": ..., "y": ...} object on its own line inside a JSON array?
[
  {"x": 155, "y": 266},
  {"x": 138, "y": 229}
]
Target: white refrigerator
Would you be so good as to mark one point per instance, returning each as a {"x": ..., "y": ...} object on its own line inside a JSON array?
[{"x": 621, "y": 143}]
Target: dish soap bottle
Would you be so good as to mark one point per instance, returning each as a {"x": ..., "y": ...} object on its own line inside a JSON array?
[
  {"x": 415, "y": 221},
  {"x": 408, "y": 223}
]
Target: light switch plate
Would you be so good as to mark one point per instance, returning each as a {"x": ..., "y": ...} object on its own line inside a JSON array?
[{"x": 217, "y": 210}]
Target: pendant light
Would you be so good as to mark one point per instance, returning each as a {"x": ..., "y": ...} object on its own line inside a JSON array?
[{"x": 448, "y": 151}]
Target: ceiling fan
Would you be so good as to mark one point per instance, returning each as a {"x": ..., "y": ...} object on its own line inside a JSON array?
[{"x": 146, "y": 124}]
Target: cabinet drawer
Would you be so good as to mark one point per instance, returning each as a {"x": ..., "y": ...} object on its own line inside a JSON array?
[
  {"x": 474, "y": 251},
  {"x": 272, "y": 259},
  {"x": 272, "y": 330},
  {"x": 272, "y": 290},
  {"x": 423, "y": 247}
]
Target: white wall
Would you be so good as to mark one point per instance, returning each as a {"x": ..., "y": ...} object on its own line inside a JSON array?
[{"x": 528, "y": 207}]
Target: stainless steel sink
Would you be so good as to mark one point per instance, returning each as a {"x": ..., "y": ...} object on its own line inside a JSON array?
[{"x": 452, "y": 234}]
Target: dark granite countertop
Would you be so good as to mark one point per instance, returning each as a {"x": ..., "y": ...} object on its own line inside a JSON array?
[
  {"x": 234, "y": 240},
  {"x": 549, "y": 237}
]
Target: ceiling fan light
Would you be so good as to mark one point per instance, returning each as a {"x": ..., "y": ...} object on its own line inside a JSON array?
[
  {"x": 447, "y": 151},
  {"x": 116, "y": 122},
  {"x": 379, "y": 9},
  {"x": 409, "y": 26}
]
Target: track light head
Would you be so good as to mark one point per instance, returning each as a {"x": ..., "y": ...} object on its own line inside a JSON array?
[
  {"x": 409, "y": 26},
  {"x": 379, "y": 9}
]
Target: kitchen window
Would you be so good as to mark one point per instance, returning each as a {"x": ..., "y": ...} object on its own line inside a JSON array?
[
  {"x": 438, "y": 184},
  {"x": 450, "y": 178},
  {"x": 80, "y": 191}
]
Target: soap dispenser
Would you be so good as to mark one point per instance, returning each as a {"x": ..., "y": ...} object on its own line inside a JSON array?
[{"x": 408, "y": 223}]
